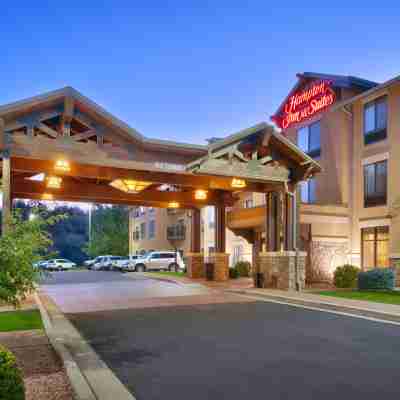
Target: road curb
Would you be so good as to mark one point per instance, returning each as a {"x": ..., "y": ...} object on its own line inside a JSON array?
[
  {"x": 340, "y": 308},
  {"x": 90, "y": 377}
]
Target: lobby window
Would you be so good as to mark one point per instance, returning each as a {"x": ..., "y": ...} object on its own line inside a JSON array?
[
  {"x": 307, "y": 191},
  {"x": 142, "y": 231},
  {"x": 248, "y": 203},
  {"x": 375, "y": 247},
  {"x": 152, "y": 229},
  {"x": 309, "y": 139},
  {"x": 375, "y": 184},
  {"x": 375, "y": 120}
]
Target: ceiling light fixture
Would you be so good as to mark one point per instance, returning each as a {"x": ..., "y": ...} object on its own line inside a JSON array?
[
  {"x": 238, "y": 183},
  {"x": 200, "y": 194},
  {"x": 173, "y": 204},
  {"x": 130, "y": 185},
  {"x": 47, "y": 196},
  {"x": 62, "y": 165},
  {"x": 53, "y": 182}
]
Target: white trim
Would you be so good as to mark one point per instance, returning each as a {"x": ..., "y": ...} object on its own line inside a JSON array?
[
  {"x": 325, "y": 219},
  {"x": 374, "y": 96},
  {"x": 372, "y": 223},
  {"x": 375, "y": 158},
  {"x": 395, "y": 256},
  {"x": 330, "y": 239}
]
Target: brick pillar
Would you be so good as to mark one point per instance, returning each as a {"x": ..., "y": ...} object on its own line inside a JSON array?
[
  {"x": 283, "y": 270},
  {"x": 195, "y": 265},
  {"x": 221, "y": 266}
]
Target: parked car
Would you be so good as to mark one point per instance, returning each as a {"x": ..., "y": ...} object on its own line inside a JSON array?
[
  {"x": 119, "y": 262},
  {"x": 59, "y": 264},
  {"x": 106, "y": 263},
  {"x": 157, "y": 260},
  {"x": 40, "y": 264},
  {"x": 89, "y": 263},
  {"x": 129, "y": 264}
]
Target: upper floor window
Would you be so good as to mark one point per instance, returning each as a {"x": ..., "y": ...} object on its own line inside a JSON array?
[
  {"x": 309, "y": 139},
  {"x": 375, "y": 184},
  {"x": 142, "y": 231},
  {"x": 375, "y": 120},
  {"x": 307, "y": 191},
  {"x": 152, "y": 229}
]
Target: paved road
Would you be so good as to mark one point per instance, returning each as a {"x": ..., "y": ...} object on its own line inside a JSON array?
[{"x": 252, "y": 350}]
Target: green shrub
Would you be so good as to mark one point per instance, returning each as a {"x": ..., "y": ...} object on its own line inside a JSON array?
[
  {"x": 243, "y": 268},
  {"x": 378, "y": 278},
  {"x": 11, "y": 381},
  {"x": 346, "y": 276},
  {"x": 233, "y": 273}
]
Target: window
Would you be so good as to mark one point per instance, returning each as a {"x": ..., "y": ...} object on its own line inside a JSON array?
[
  {"x": 152, "y": 229},
  {"x": 307, "y": 191},
  {"x": 142, "y": 230},
  {"x": 309, "y": 139},
  {"x": 375, "y": 120},
  {"x": 375, "y": 247},
  {"x": 211, "y": 217},
  {"x": 248, "y": 203},
  {"x": 375, "y": 184}
]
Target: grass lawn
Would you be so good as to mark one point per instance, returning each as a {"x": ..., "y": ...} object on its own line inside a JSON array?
[
  {"x": 387, "y": 297},
  {"x": 170, "y": 273},
  {"x": 20, "y": 320}
]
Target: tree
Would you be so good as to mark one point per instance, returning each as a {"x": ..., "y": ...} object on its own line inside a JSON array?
[
  {"x": 23, "y": 244},
  {"x": 110, "y": 231}
]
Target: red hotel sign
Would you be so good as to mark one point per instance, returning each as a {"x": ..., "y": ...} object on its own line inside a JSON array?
[{"x": 304, "y": 104}]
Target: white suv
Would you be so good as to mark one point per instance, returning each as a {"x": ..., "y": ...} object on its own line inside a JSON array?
[
  {"x": 156, "y": 260},
  {"x": 59, "y": 264}
]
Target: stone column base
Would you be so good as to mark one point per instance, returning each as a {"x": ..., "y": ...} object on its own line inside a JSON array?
[
  {"x": 395, "y": 264},
  {"x": 221, "y": 266},
  {"x": 283, "y": 270},
  {"x": 195, "y": 265}
]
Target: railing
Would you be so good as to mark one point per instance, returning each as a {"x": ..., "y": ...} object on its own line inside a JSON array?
[{"x": 176, "y": 232}]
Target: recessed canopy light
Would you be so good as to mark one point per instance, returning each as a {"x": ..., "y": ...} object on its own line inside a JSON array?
[
  {"x": 238, "y": 183},
  {"x": 200, "y": 194},
  {"x": 130, "y": 185},
  {"x": 53, "y": 182},
  {"x": 62, "y": 165},
  {"x": 173, "y": 204}
]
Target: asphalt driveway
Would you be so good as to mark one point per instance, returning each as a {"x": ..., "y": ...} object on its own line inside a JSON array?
[{"x": 242, "y": 349}]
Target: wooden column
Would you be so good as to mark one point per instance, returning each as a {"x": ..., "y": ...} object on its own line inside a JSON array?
[
  {"x": 6, "y": 191},
  {"x": 290, "y": 221},
  {"x": 273, "y": 221},
  {"x": 195, "y": 244},
  {"x": 220, "y": 228}
]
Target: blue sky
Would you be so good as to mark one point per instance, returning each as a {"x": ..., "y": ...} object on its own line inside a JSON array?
[{"x": 189, "y": 70}]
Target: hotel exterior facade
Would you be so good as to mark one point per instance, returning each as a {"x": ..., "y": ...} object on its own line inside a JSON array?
[{"x": 349, "y": 213}]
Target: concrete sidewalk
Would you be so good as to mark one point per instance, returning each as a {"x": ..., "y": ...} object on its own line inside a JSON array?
[{"x": 387, "y": 312}]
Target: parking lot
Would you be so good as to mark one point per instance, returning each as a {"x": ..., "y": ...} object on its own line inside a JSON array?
[{"x": 177, "y": 342}]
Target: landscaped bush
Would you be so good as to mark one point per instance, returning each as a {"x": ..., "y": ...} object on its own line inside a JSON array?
[
  {"x": 243, "y": 268},
  {"x": 233, "y": 273},
  {"x": 346, "y": 276},
  {"x": 378, "y": 278},
  {"x": 11, "y": 381}
]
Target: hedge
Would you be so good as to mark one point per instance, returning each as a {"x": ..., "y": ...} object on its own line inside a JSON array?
[
  {"x": 378, "y": 278},
  {"x": 11, "y": 381},
  {"x": 243, "y": 268},
  {"x": 346, "y": 276}
]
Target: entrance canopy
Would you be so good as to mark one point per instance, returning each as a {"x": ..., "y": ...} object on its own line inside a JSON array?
[{"x": 63, "y": 146}]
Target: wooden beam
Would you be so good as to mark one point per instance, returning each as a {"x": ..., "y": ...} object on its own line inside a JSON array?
[
  {"x": 87, "y": 192},
  {"x": 84, "y": 135},
  {"x": 159, "y": 177},
  {"x": 47, "y": 130},
  {"x": 220, "y": 229},
  {"x": 6, "y": 188},
  {"x": 195, "y": 228}
]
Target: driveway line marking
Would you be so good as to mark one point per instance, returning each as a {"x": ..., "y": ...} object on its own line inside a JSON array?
[{"x": 259, "y": 298}]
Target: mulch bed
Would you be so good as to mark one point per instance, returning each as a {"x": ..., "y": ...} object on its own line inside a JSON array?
[{"x": 44, "y": 375}]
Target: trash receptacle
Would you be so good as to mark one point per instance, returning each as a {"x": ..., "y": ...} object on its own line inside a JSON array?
[{"x": 209, "y": 271}]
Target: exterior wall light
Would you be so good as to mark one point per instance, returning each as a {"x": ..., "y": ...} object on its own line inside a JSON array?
[
  {"x": 62, "y": 165},
  {"x": 173, "y": 204},
  {"x": 53, "y": 182},
  {"x": 238, "y": 183},
  {"x": 130, "y": 185},
  {"x": 47, "y": 196},
  {"x": 200, "y": 194}
]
